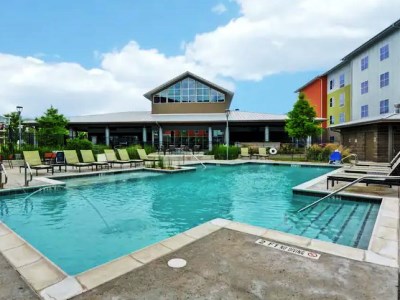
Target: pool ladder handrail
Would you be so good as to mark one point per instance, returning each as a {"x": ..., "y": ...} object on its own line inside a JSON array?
[
  {"x": 28, "y": 167},
  {"x": 345, "y": 187},
  {"x": 3, "y": 170},
  {"x": 355, "y": 156},
  {"x": 204, "y": 166}
]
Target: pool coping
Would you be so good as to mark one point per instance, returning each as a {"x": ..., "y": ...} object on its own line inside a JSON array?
[{"x": 50, "y": 282}]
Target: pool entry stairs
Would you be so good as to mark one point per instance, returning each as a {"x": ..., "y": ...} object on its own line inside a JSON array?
[{"x": 334, "y": 221}]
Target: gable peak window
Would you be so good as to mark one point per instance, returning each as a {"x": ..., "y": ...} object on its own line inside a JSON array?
[{"x": 189, "y": 90}]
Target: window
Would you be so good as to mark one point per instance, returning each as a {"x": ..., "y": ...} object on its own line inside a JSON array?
[
  {"x": 384, "y": 106},
  {"x": 331, "y": 84},
  {"x": 341, "y": 103},
  {"x": 364, "y": 63},
  {"x": 331, "y": 102},
  {"x": 341, "y": 117},
  {"x": 384, "y": 52},
  {"x": 331, "y": 139},
  {"x": 364, "y": 87},
  {"x": 384, "y": 78},
  {"x": 331, "y": 120},
  {"x": 364, "y": 111},
  {"x": 188, "y": 90},
  {"x": 341, "y": 80}
]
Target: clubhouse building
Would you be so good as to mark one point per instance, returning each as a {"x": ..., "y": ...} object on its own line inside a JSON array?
[{"x": 186, "y": 111}]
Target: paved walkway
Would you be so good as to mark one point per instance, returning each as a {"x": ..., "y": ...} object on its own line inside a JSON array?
[
  {"x": 229, "y": 265},
  {"x": 11, "y": 284}
]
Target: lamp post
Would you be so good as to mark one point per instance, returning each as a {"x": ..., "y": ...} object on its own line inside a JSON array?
[
  {"x": 19, "y": 110},
  {"x": 227, "y": 113}
]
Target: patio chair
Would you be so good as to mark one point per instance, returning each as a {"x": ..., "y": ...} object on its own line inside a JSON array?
[
  {"x": 71, "y": 159},
  {"x": 262, "y": 152},
  {"x": 33, "y": 159},
  {"x": 244, "y": 152},
  {"x": 196, "y": 149},
  {"x": 342, "y": 176},
  {"x": 124, "y": 156},
  {"x": 375, "y": 164},
  {"x": 112, "y": 159},
  {"x": 143, "y": 156},
  {"x": 88, "y": 157}
]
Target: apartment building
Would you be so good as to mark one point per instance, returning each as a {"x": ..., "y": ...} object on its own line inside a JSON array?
[{"x": 362, "y": 92}]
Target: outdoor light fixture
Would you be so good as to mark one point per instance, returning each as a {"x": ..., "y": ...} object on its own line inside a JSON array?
[
  {"x": 19, "y": 110},
  {"x": 227, "y": 113}
]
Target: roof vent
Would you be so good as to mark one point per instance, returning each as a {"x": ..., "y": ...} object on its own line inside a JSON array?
[{"x": 397, "y": 108}]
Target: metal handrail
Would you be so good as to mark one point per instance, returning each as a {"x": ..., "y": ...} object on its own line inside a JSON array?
[
  {"x": 345, "y": 187},
  {"x": 5, "y": 173},
  {"x": 355, "y": 156},
  {"x": 204, "y": 166},
  {"x": 27, "y": 166}
]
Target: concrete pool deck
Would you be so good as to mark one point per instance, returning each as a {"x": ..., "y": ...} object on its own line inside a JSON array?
[
  {"x": 384, "y": 254},
  {"x": 228, "y": 264}
]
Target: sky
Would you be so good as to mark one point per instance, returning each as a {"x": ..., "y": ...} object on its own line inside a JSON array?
[{"x": 99, "y": 56}]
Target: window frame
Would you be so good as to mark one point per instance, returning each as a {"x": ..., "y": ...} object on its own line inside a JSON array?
[
  {"x": 364, "y": 111},
  {"x": 385, "y": 106}
]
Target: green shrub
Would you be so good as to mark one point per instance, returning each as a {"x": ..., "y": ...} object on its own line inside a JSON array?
[
  {"x": 219, "y": 152},
  {"x": 317, "y": 153},
  {"x": 149, "y": 149},
  {"x": 132, "y": 151},
  {"x": 99, "y": 148},
  {"x": 79, "y": 144},
  {"x": 161, "y": 164}
]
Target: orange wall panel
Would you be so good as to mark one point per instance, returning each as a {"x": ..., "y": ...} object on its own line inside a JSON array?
[{"x": 315, "y": 93}]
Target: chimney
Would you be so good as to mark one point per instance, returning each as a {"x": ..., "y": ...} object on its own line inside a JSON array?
[{"x": 397, "y": 108}]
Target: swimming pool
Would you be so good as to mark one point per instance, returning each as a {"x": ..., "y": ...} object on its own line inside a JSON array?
[{"x": 96, "y": 219}]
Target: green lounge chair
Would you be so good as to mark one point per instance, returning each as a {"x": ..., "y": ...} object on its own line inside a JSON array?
[
  {"x": 71, "y": 159},
  {"x": 143, "y": 156},
  {"x": 262, "y": 152},
  {"x": 88, "y": 157},
  {"x": 112, "y": 158},
  {"x": 244, "y": 152},
  {"x": 123, "y": 155},
  {"x": 32, "y": 159},
  {"x": 341, "y": 176}
]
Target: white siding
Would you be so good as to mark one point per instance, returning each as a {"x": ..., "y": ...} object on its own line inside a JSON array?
[{"x": 376, "y": 67}]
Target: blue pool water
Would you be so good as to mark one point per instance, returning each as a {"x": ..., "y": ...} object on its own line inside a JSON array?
[{"x": 96, "y": 219}]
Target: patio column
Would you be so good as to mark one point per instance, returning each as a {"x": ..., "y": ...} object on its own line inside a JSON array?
[
  {"x": 144, "y": 135},
  {"x": 160, "y": 136},
  {"x": 35, "y": 141},
  {"x": 209, "y": 138},
  {"x": 71, "y": 133},
  {"x": 390, "y": 142},
  {"x": 107, "y": 134},
  {"x": 308, "y": 141},
  {"x": 152, "y": 136},
  {"x": 266, "y": 134}
]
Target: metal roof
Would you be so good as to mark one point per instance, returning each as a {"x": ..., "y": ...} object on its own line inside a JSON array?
[
  {"x": 148, "y": 117},
  {"x": 385, "y": 118},
  {"x": 309, "y": 82},
  {"x": 148, "y": 95}
]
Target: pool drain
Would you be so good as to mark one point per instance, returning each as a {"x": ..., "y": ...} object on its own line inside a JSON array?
[{"x": 177, "y": 263}]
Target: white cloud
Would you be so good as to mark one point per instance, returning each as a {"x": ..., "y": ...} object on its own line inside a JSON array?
[
  {"x": 268, "y": 37},
  {"x": 219, "y": 9},
  {"x": 289, "y": 35}
]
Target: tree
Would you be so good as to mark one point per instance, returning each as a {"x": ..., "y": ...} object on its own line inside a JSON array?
[
  {"x": 52, "y": 128},
  {"x": 301, "y": 122},
  {"x": 13, "y": 126}
]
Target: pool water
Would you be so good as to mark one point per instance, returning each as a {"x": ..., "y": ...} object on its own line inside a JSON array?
[{"x": 99, "y": 218}]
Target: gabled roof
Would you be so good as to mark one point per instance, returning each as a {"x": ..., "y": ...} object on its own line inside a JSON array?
[
  {"x": 385, "y": 118},
  {"x": 229, "y": 94}
]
